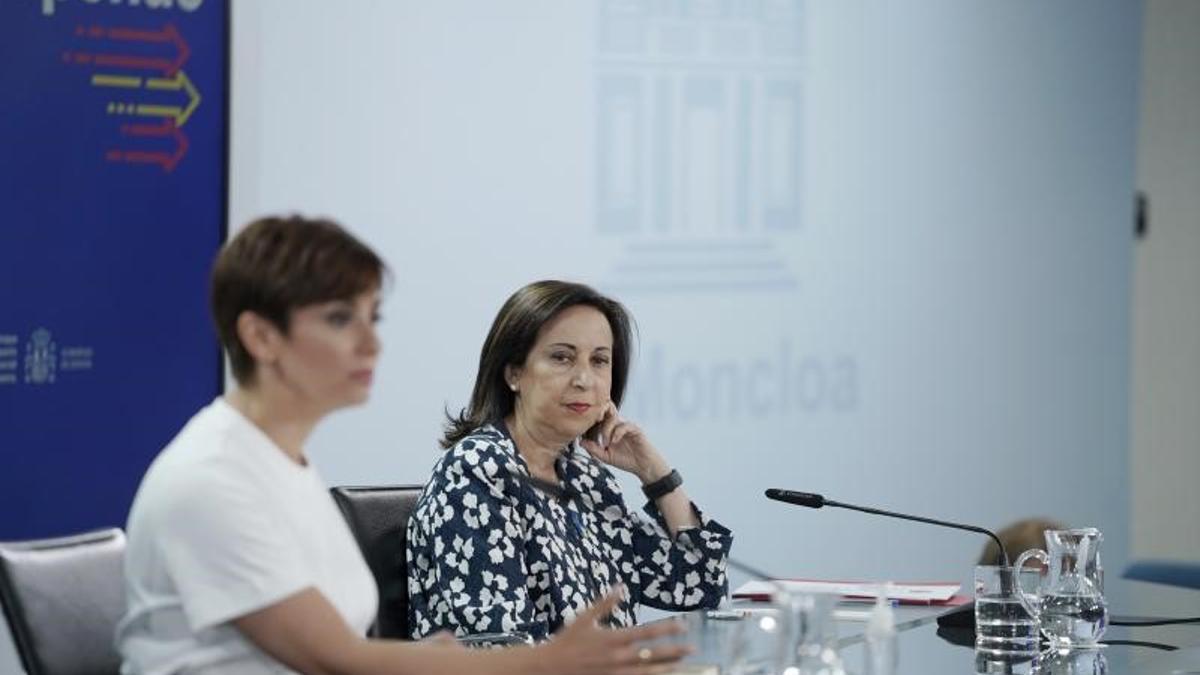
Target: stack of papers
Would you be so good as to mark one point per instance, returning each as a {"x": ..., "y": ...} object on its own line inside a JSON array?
[{"x": 907, "y": 593}]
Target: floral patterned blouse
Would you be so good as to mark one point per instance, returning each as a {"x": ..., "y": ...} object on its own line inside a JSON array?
[{"x": 490, "y": 552}]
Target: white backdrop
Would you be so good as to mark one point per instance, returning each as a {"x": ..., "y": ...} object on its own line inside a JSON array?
[{"x": 877, "y": 250}]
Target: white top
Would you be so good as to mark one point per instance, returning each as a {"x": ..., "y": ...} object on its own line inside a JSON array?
[{"x": 224, "y": 524}]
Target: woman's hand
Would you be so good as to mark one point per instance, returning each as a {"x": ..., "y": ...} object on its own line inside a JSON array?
[
  {"x": 587, "y": 648},
  {"x": 623, "y": 444}
]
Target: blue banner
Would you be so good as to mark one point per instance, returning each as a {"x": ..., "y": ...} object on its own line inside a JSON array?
[{"x": 113, "y": 144}]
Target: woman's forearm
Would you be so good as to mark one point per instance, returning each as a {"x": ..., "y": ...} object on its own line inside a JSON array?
[
  {"x": 677, "y": 512},
  {"x": 385, "y": 657}
]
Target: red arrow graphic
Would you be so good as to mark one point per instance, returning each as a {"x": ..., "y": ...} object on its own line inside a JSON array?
[
  {"x": 166, "y": 160},
  {"x": 168, "y": 35}
]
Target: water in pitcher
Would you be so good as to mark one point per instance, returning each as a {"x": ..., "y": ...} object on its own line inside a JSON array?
[
  {"x": 1070, "y": 600},
  {"x": 1073, "y": 619}
]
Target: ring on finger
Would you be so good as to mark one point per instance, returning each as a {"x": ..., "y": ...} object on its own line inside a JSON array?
[{"x": 644, "y": 654}]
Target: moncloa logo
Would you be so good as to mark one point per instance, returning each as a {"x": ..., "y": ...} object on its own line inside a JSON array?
[{"x": 779, "y": 383}]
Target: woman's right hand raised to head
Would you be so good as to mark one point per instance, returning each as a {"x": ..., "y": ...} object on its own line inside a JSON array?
[{"x": 587, "y": 647}]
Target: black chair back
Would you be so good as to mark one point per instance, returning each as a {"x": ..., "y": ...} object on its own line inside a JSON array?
[
  {"x": 378, "y": 517},
  {"x": 63, "y": 598}
]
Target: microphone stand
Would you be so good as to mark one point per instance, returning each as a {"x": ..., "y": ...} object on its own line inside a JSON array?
[
  {"x": 1002, "y": 560},
  {"x": 816, "y": 501}
]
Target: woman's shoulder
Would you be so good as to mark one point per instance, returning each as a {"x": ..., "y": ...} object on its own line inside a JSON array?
[
  {"x": 486, "y": 434},
  {"x": 486, "y": 447}
]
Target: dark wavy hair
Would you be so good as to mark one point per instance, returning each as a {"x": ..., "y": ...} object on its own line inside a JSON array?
[
  {"x": 277, "y": 264},
  {"x": 514, "y": 332}
]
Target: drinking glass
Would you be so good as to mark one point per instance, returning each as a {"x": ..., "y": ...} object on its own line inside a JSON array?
[{"x": 1004, "y": 624}]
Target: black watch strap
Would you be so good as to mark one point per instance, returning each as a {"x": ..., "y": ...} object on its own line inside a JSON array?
[{"x": 663, "y": 485}]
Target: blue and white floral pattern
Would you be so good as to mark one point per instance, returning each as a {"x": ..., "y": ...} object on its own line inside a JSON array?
[{"x": 488, "y": 552}]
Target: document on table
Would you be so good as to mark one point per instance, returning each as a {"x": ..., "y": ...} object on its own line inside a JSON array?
[{"x": 923, "y": 593}]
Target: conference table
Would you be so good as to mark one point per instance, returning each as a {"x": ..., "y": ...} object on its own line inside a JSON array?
[{"x": 924, "y": 648}]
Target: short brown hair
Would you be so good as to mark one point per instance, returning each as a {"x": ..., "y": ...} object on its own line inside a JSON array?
[
  {"x": 514, "y": 332},
  {"x": 277, "y": 264}
]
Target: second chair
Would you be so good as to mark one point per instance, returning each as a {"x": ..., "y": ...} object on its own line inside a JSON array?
[
  {"x": 378, "y": 518},
  {"x": 63, "y": 598}
]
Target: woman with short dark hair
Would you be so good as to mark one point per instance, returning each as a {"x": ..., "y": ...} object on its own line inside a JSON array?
[
  {"x": 238, "y": 561},
  {"x": 523, "y": 524}
]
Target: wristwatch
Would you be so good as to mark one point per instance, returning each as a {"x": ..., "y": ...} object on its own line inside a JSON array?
[{"x": 663, "y": 485}]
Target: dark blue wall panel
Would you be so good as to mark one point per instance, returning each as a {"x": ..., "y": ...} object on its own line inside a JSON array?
[{"x": 112, "y": 187}]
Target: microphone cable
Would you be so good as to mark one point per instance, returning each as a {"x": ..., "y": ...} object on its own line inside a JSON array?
[{"x": 1154, "y": 622}]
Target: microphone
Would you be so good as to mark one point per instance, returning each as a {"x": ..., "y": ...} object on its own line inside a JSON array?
[
  {"x": 812, "y": 501},
  {"x": 816, "y": 501},
  {"x": 961, "y": 617}
]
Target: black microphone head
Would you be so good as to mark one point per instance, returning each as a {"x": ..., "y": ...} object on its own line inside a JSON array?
[{"x": 809, "y": 499}]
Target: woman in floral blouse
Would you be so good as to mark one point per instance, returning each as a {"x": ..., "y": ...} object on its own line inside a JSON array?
[{"x": 522, "y": 524}]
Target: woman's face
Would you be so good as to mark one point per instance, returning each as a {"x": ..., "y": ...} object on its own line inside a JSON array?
[
  {"x": 566, "y": 379},
  {"x": 328, "y": 356}
]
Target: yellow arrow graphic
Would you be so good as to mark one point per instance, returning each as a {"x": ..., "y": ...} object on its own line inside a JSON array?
[
  {"x": 178, "y": 83},
  {"x": 101, "y": 80}
]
